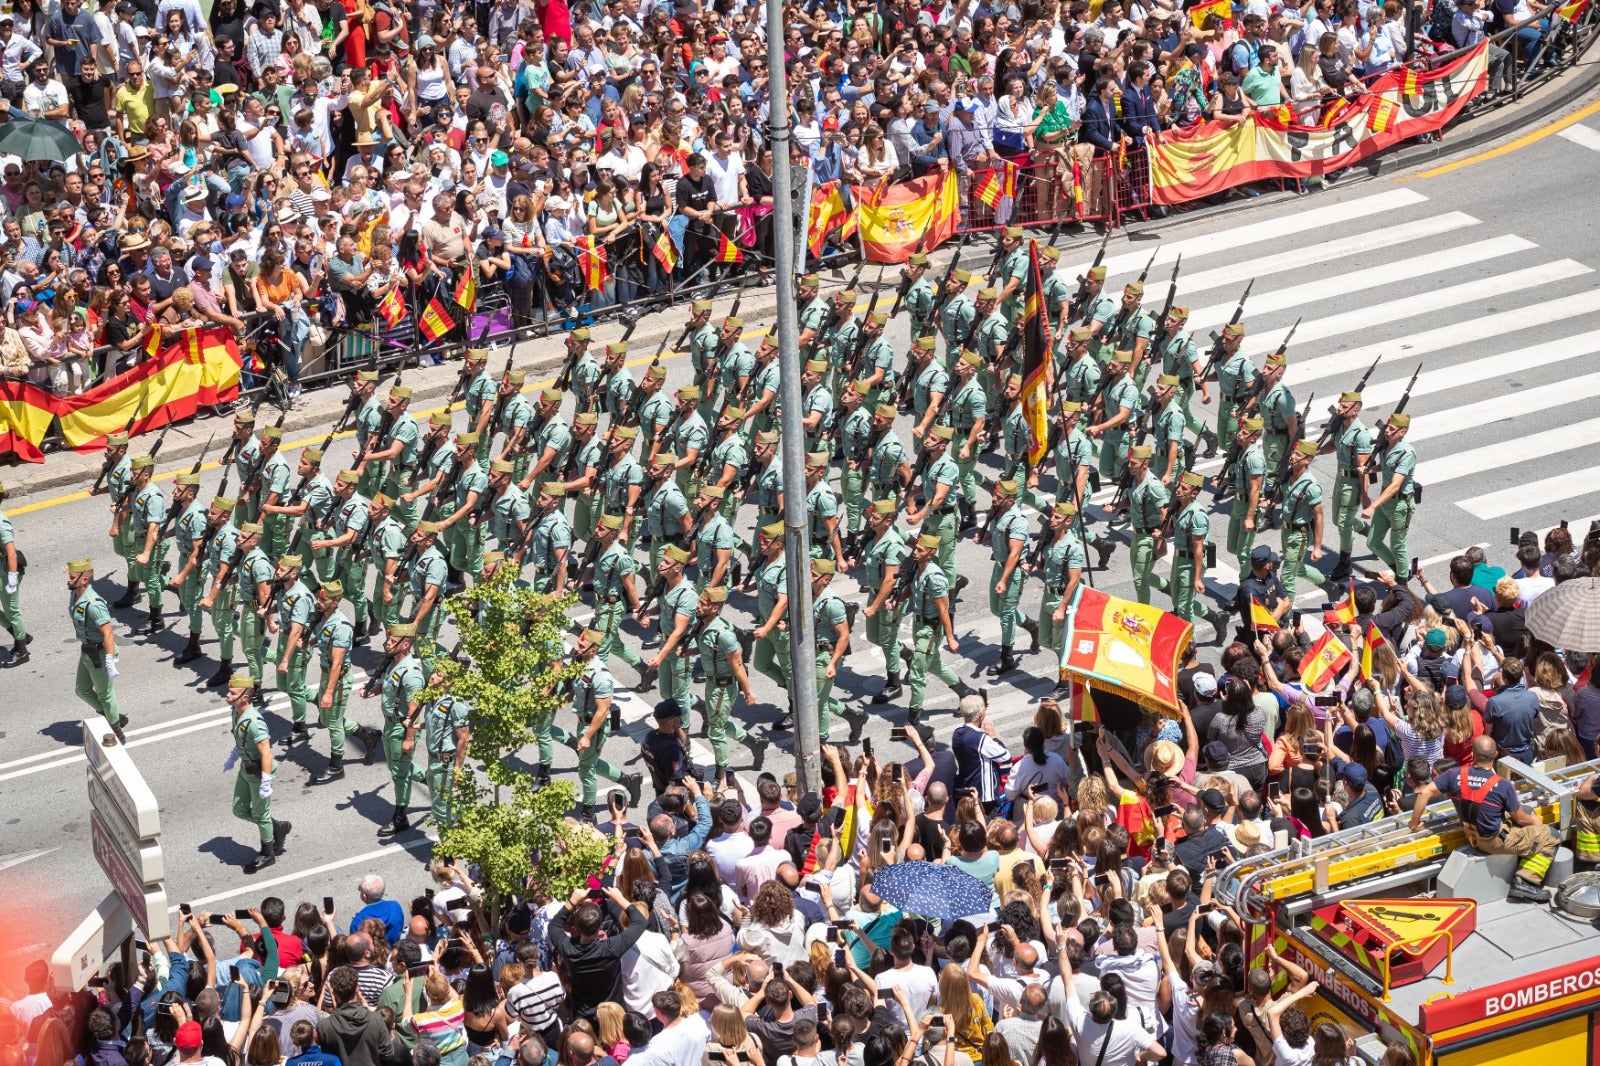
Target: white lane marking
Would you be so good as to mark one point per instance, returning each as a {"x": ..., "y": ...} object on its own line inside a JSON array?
[
  {"x": 1527, "y": 496},
  {"x": 254, "y": 888},
  {"x": 1505, "y": 453},
  {"x": 18, "y": 860},
  {"x": 1506, "y": 406},
  {"x": 1582, "y": 136},
  {"x": 1380, "y": 275}
]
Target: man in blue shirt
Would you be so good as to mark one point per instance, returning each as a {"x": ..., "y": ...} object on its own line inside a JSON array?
[
  {"x": 387, "y": 911},
  {"x": 928, "y": 134},
  {"x": 673, "y": 866},
  {"x": 1511, "y": 713}
]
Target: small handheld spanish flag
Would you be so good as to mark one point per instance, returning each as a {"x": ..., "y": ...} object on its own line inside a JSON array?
[
  {"x": 665, "y": 251},
  {"x": 1382, "y": 115},
  {"x": 152, "y": 341},
  {"x": 466, "y": 294},
  {"x": 1344, "y": 612},
  {"x": 1373, "y": 640},
  {"x": 1261, "y": 619},
  {"x": 1325, "y": 659},
  {"x": 435, "y": 321},
  {"x": 1410, "y": 85},
  {"x": 986, "y": 190},
  {"x": 727, "y": 251},
  {"x": 392, "y": 309}
]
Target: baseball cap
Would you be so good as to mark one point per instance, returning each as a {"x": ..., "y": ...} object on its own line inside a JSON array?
[
  {"x": 1212, "y": 799},
  {"x": 1214, "y": 753},
  {"x": 234, "y": 202},
  {"x": 189, "y": 1037},
  {"x": 1455, "y": 696},
  {"x": 498, "y": 158},
  {"x": 201, "y": 263},
  {"x": 1204, "y": 685},
  {"x": 1355, "y": 773},
  {"x": 668, "y": 709},
  {"x": 1436, "y": 638},
  {"x": 1262, "y": 553}
]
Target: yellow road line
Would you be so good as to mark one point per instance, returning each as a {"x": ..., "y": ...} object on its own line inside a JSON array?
[{"x": 1511, "y": 146}]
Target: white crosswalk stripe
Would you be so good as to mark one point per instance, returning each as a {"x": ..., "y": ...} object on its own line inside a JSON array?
[{"x": 1582, "y": 136}]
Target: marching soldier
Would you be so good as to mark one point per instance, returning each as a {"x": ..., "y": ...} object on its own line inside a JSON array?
[
  {"x": 551, "y": 441},
  {"x": 1191, "y": 528},
  {"x": 772, "y": 649},
  {"x": 580, "y": 479},
  {"x": 970, "y": 419},
  {"x": 621, "y": 388},
  {"x": 734, "y": 364},
  {"x": 677, "y": 602},
  {"x": 729, "y": 459},
  {"x": 822, "y": 508},
  {"x": 875, "y": 366},
  {"x": 616, "y": 595},
  {"x": 930, "y": 384},
  {"x": 1082, "y": 371},
  {"x": 1013, "y": 272},
  {"x": 147, "y": 516},
  {"x": 425, "y": 582},
  {"x": 817, "y": 408},
  {"x": 591, "y": 699},
  {"x": 271, "y": 489},
  {"x": 508, "y": 508},
  {"x": 585, "y": 370},
  {"x": 857, "y": 440},
  {"x": 1008, "y": 539},
  {"x": 463, "y": 536},
  {"x": 842, "y": 340},
  {"x": 1390, "y": 512},
  {"x": 370, "y": 419},
  {"x": 988, "y": 341},
  {"x": 1118, "y": 405},
  {"x": 666, "y": 512},
  {"x": 401, "y": 680},
  {"x": 1057, "y": 293},
  {"x": 247, "y": 460},
  {"x": 445, "y": 734},
  {"x": 941, "y": 499},
  {"x": 1168, "y": 428},
  {"x": 830, "y": 622},
  {"x": 814, "y": 309},
  {"x": 1128, "y": 329},
  {"x": 344, "y": 531},
  {"x": 705, "y": 342},
  {"x": 397, "y": 453},
  {"x": 119, "y": 483},
  {"x": 1352, "y": 447},
  {"x": 1098, "y": 305},
  {"x": 479, "y": 396},
  {"x": 97, "y": 645},
  {"x": 296, "y": 608},
  {"x": 764, "y": 389},
  {"x": 436, "y": 465},
  {"x": 622, "y": 480},
  {"x": 1302, "y": 519},
  {"x": 655, "y": 408},
  {"x": 222, "y": 554},
  {"x": 922, "y": 298},
  {"x": 769, "y": 492},
  {"x": 713, "y": 540},
  {"x": 11, "y": 596},
  {"x": 1280, "y": 422},
  {"x": 549, "y": 543},
  {"x": 1236, "y": 381},
  {"x": 1060, "y": 569},
  {"x": 313, "y": 504},
  {"x": 385, "y": 544},
  {"x": 687, "y": 439},
  {"x": 191, "y": 529},
  {"x": 717, "y": 643},
  {"x": 253, "y": 590},
  {"x": 930, "y": 621},
  {"x": 888, "y": 469},
  {"x": 1016, "y": 441},
  {"x": 334, "y": 636},
  {"x": 1181, "y": 358},
  {"x": 252, "y": 786},
  {"x": 958, "y": 316},
  {"x": 514, "y": 420},
  {"x": 885, "y": 555},
  {"x": 1147, "y": 515},
  {"x": 1248, "y": 473}
]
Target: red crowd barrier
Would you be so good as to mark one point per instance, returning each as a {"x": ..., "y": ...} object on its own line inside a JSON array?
[{"x": 1040, "y": 190}]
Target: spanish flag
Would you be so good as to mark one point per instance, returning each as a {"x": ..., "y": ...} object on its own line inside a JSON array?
[
  {"x": 1371, "y": 642},
  {"x": 1080, "y": 705},
  {"x": 466, "y": 294},
  {"x": 987, "y": 189},
  {"x": 1335, "y": 111},
  {"x": 1036, "y": 349},
  {"x": 727, "y": 251},
  {"x": 593, "y": 257},
  {"x": 665, "y": 251},
  {"x": 1223, "y": 9},
  {"x": 159, "y": 391},
  {"x": 435, "y": 321},
  {"x": 1574, "y": 11},
  {"x": 1409, "y": 84},
  {"x": 897, "y": 218},
  {"x": 392, "y": 308},
  {"x": 1382, "y": 115},
  {"x": 152, "y": 341},
  {"x": 828, "y": 212},
  {"x": 1344, "y": 612},
  {"x": 1261, "y": 619},
  {"x": 1325, "y": 659}
]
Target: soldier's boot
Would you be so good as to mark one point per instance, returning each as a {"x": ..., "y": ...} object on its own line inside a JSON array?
[
  {"x": 851, "y": 612},
  {"x": 19, "y": 651},
  {"x": 961, "y": 582},
  {"x": 616, "y": 717},
  {"x": 634, "y": 783},
  {"x": 299, "y": 731},
  {"x": 963, "y": 690},
  {"x": 969, "y": 518},
  {"x": 1103, "y": 549},
  {"x": 280, "y": 833},
  {"x": 257, "y": 697},
  {"x": 398, "y": 824},
  {"x": 892, "y": 690},
  {"x": 647, "y": 679},
  {"x": 857, "y": 718},
  {"x": 371, "y": 742},
  {"x": 265, "y": 858},
  {"x": 127, "y": 599},
  {"x": 544, "y": 776},
  {"x": 334, "y": 772},
  {"x": 735, "y": 572},
  {"x": 155, "y": 623},
  {"x": 1341, "y": 570},
  {"x": 905, "y": 657},
  {"x": 1007, "y": 663},
  {"x": 220, "y": 678},
  {"x": 190, "y": 652},
  {"x": 1032, "y": 627},
  {"x": 1209, "y": 436},
  {"x": 361, "y": 634},
  {"x": 757, "y": 747}
]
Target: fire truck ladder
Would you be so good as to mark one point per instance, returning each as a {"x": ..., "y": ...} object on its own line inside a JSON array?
[{"x": 1383, "y": 854}]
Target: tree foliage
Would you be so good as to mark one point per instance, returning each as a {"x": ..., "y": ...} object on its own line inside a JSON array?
[{"x": 525, "y": 845}]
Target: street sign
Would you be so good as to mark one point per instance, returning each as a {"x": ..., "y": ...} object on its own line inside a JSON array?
[
  {"x": 96, "y": 940},
  {"x": 143, "y": 856},
  {"x": 126, "y": 827},
  {"x": 114, "y": 767},
  {"x": 149, "y": 908}
]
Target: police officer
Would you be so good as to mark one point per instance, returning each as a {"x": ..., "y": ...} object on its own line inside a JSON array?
[
  {"x": 1249, "y": 471},
  {"x": 97, "y": 645},
  {"x": 830, "y": 622},
  {"x": 1147, "y": 513},
  {"x": 147, "y": 516},
  {"x": 446, "y": 732},
  {"x": 930, "y": 620},
  {"x": 425, "y": 582},
  {"x": 1008, "y": 538},
  {"x": 717, "y": 642},
  {"x": 296, "y": 609},
  {"x": 886, "y": 552},
  {"x": 334, "y": 636},
  {"x": 222, "y": 555},
  {"x": 253, "y": 591},
  {"x": 1390, "y": 512},
  {"x": 1236, "y": 381},
  {"x": 11, "y": 588},
  {"x": 1302, "y": 519},
  {"x": 1117, "y": 406},
  {"x": 1190, "y": 530},
  {"x": 252, "y": 785},
  {"x": 1260, "y": 584},
  {"x": 344, "y": 529},
  {"x": 1061, "y": 568},
  {"x": 677, "y": 606},
  {"x": 400, "y": 680},
  {"x": 1351, "y": 443}
]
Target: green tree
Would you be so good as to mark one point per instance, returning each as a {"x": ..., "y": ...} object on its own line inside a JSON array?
[{"x": 512, "y": 669}]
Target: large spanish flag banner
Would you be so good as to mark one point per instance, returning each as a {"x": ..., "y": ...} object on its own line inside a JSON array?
[
  {"x": 894, "y": 218},
  {"x": 196, "y": 368},
  {"x": 1036, "y": 348},
  {"x": 1208, "y": 158},
  {"x": 1132, "y": 649},
  {"x": 26, "y": 412}
]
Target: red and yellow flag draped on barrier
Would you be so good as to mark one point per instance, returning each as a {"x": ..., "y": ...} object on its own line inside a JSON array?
[
  {"x": 1132, "y": 649},
  {"x": 26, "y": 412},
  {"x": 828, "y": 212},
  {"x": 895, "y": 218},
  {"x": 196, "y": 368},
  {"x": 1208, "y": 158}
]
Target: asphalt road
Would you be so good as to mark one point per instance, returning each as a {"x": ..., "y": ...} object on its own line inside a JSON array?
[{"x": 1485, "y": 275}]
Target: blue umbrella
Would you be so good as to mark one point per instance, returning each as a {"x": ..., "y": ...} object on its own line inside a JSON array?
[{"x": 932, "y": 890}]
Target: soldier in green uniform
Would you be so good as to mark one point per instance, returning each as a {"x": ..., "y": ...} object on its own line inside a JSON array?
[
  {"x": 515, "y": 422},
  {"x": 461, "y": 493},
  {"x": 814, "y": 309},
  {"x": 888, "y": 469},
  {"x": 445, "y": 734},
  {"x": 271, "y": 490},
  {"x": 480, "y": 396},
  {"x": 622, "y": 481},
  {"x": 549, "y": 542},
  {"x": 885, "y": 554},
  {"x": 551, "y": 441},
  {"x": 585, "y": 370},
  {"x": 1280, "y": 421},
  {"x": 11, "y": 589},
  {"x": 1056, "y": 291},
  {"x": 1075, "y": 472},
  {"x": 988, "y": 341},
  {"x": 1060, "y": 569},
  {"x": 398, "y": 454},
  {"x": 875, "y": 363},
  {"x": 190, "y": 531},
  {"x": 930, "y": 384},
  {"x": 772, "y": 649},
  {"x": 119, "y": 483},
  {"x": 616, "y": 595},
  {"x": 1128, "y": 329},
  {"x": 1013, "y": 272},
  {"x": 252, "y": 786},
  {"x": 97, "y": 644},
  {"x": 1016, "y": 441},
  {"x": 1168, "y": 428},
  {"x": 856, "y": 444},
  {"x": 713, "y": 540},
  {"x": 687, "y": 439},
  {"x": 829, "y": 619},
  {"x": 385, "y": 545},
  {"x": 1190, "y": 530},
  {"x": 817, "y": 407},
  {"x": 666, "y": 512},
  {"x": 222, "y": 555},
  {"x": 726, "y": 467},
  {"x": 296, "y": 608},
  {"x": 247, "y": 460},
  {"x": 655, "y": 408},
  {"x": 705, "y": 341},
  {"x": 822, "y": 509},
  {"x": 930, "y": 621},
  {"x": 1236, "y": 381},
  {"x": 732, "y": 365},
  {"x": 1083, "y": 373},
  {"x": 677, "y": 605},
  {"x": 308, "y": 509},
  {"x": 621, "y": 389},
  {"x": 334, "y": 636},
  {"x": 941, "y": 495},
  {"x": 764, "y": 390},
  {"x": 370, "y": 419},
  {"x": 253, "y": 590},
  {"x": 970, "y": 417},
  {"x": 436, "y": 465},
  {"x": 1147, "y": 516},
  {"x": 958, "y": 316},
  {"x": 580, "y": 479},
  {"x": 1098, "y": 305},
  {"x": 838, "y": 344},
  {"x": 147, "y": 517},
  {"x": 1008, "y": 540},
  {"x": 1180, "y": 357},
  {"x": 717, "y": 644},
  {"x": 1118, "y": 408},
  {"x": 592, "y": 693},
  {"x": 1248, "y": 474},
  {"x": 922, "y": 297},
  {"x": 1351, "y": 444},
  {"x": 400, "y": 680},
  {"x": 425, "y": 582},
  {"x": 1390, "y": 512},
  {"x": 768, "y": 490},
  {"x": 509, "y": 509},
  {"x": 1302, "y": 520},
  {"x": 343, "y": 532}
]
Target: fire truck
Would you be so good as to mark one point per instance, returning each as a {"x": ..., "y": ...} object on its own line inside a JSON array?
[{"x": 1410, "y": 936}]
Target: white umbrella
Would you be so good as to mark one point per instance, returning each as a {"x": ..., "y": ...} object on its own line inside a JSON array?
[{"x": 1568, "y": 616}]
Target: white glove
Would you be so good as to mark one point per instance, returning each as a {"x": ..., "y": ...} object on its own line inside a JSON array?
[
  {"x": 111, "y": 665},
  {"x": 233, "y": 757},
  {"x": 266, "y": 787},
  {"x": 11, "y": 582}
]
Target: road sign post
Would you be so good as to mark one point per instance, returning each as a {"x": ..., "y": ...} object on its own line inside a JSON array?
[{"x": 126, "y": 829}]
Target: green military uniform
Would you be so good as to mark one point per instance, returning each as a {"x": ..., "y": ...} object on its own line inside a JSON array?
[
  {"x": 401, "y": 684},
  {"x": 1125, "y": 331},
  {"x": 921, "y": 303},
  {"x": 716, "y": 644},
  {"x": 190, "y": 532},
  {"x": 1301, "y": 501},
  {"x": 464, "y": 538},
  {"x": 249, "y": 729},
  {"x": 957, "y": 321},
  {"x": 680, "y": 600},
  {"x": 586, "y": 375},
  {"x": 431, "y": 568},
  {"x": 1014, "y": 267},
  {"x": 588, "y": 505},
  {"x": 703, "y": 346},
  {"x": 732, "y": 450},
  {"x": 970, "y": 405},
  {"x": 690, "y": 433},
  {"x": 1277, "y": 409},
  {"x": 388, "y": 541},
  {"x": 397, "y": 479},
  {"x": 221, "y": 549},
  {"x": 839, "y": 351},
  {"x": 879, "y": 355},
  {"x": 819, "y": 401},
  {"x": 481, "y": 391},
  {"x": 89, "y": 612},
  {"x": 1353, "y": 444},
  {"x": 617, "y": 481},
  {"x": 664, "y": 512},
  {"x": 772, "y": 652},
  {"x": 1083, "y": 380},
  {"x": 613, "y": 571},
  {"x": 927, "y": 633},
  {"x": 440, "y": 720},
  {"x": 1392, "y": 522},
  {"x": 655, "y": 414},
  {"x": 518, "y": 414},
  {"x": 855, "y": 449},
  {"x": 1252, "y": 464},
  {"x": 1193, "y": 521},
  {"x": 350, "y": 561},
  {"x": 330, "y": 632},
  {"x": 11, "y": 587},
  {"x": 275, "y": 478},
  {"x": 1236, "y": 379},
  {"x": 1146, "y": 504},
  {"x": 767, "y": 378},
  {"x": 1178, "y": 355},
  {"x": 319, "y": 501},
  {"x": 1061, "y": 557},
  {"x": 1105, "y": 310},
  {"x": 246, "y": 464},
  {"x": 1120, "y": 395},
  {"x": 149, "y": 507},
  {"x": 821, "y": 505},
  {"x": 739, "y": 363},
  {"x": 883, "y": 628},
  {"x": 120, "y": 484},
  {"x": 619, "y": 394},
  {"x": 369, "y": 424},
  {"x": 1016, "y": 440},
  {"x": 551, "y": 534},
  {"x": 1010, "y": 528},
  {"x": 554, "y": 436},
  {"x": 989, "y": 341},
  {"x": 943, "y": 523},
  {"x": 884, "y": 460},
  {"x": 715, "y": 535},
  {"x": 827, "y": 613},
  {"x": 254, "y": 568},
  {"x": 507, "y": 510},
  {"x": 296, "y": 605},
  {"x": 1169, "y": 428},
  {"x": 932, "y": 380}
]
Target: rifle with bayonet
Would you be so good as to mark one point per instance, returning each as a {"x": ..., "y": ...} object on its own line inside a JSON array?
[
  {"x": 1159, "y": 340},
  {"x": 106, "y": 464},
  {"x": 833, "y": 315},
  {"x": 949, "y": 273},
  {"x": 1335, "y": 423},
  {"x": 235, "y": 444},
  {"x": 1080, "y": 299},
  {"x": 1381, "y": 452},
  {"x": 853, "y": 364},
  {"x": 1214, "y": 357},
  {"x": 629, "y": 415},
  {"x": 904, "y": 287},
  {"x": 252, "y": 482},
  {"x": 1114, "y": 327}
]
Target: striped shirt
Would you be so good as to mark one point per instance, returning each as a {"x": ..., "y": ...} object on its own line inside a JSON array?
[
  {"x": 534, "y": 1001},
  {"x": 371, "y": 981},
  {"x": 441, "y": 1027}
]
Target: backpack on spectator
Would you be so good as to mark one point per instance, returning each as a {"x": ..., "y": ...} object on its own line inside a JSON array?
[{"x": 1391, "y": 762}]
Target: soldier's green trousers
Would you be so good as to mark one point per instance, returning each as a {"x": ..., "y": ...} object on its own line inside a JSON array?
[
  {"x": 402, "y": 770},
  {"x": 926, "y": 654},
  {"x": 464, "y": 542},
  {"x": 275, "y": 535},
  {"x": 773, "y": 657},
  {"x": 404, "y": 513},
  {"x": 1185, "y": 604},
  {"x": 1296, "y": 545},
  {"x": 293, "y": 681},
  {"x": 586, "y": 510},
  {"x": 441, "y": 787},
  {"x": 1113, "y": 454},
  {"x": 967, "y": 468},
  {"x": 946, "y": 526},
  {"x": 248, "y": 804},
  {"x": 1241, "y": 540},
  {"x": 853, "y": 484},
  {"x": 1145, "y": 577},
  {"x": 253, "y": 635},
  {"x": 1007, "y": 608},
  {"x": 1227, "y": 422},
  {"x": 149, "y": 575},
  {"x": 371, "y": 478},
  {"x": 883, "y": 631},
  {"x": 591, "y": 766},
  {"x": 608, "y": 618},
  {"x": 827, "y": 706},
  {"x": 428, "y": 628},
  {"x": 388, "y": 613},
  {"x": 546, "y": 733},
  {"x": 128, "y": 547},
  {"x": 1051, "y": 632},
  {"x": 95, "y": 687},
  {"x": 190, "y": 592},
  {"x": 1185, "y": 394},
  {"x": 673, "y": 683},
  {"x": 1273, "y": 445},
  {"x": 354, "y": 579},
  {"x": 1391, "y": 524},
  {"x": 223, "y": 620},
  {"x": 720, "y": 724},
  {"x": 336, "y": 719},
  {"x": 11, "y": 610},
  {"x": 322, "y": 563},
  {"x": 1346, "y": 508}
]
